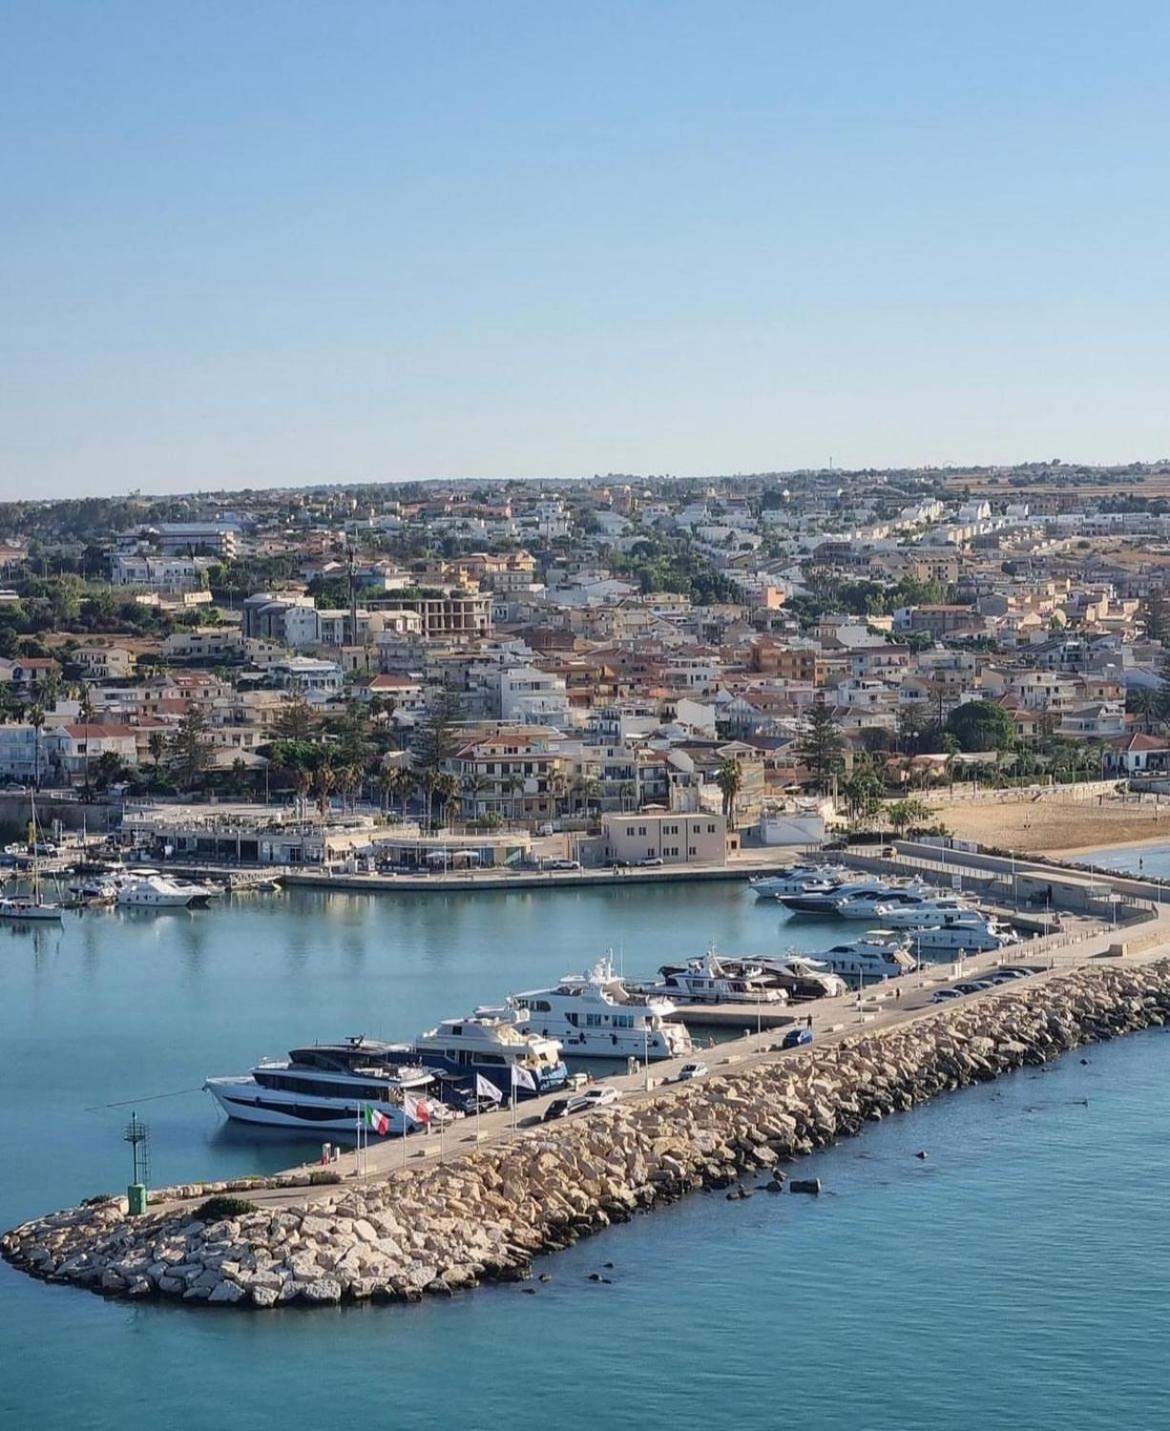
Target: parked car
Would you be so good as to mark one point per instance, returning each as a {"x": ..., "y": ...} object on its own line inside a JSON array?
[
  {"x": 691, "y": 1070},
  {"x": 944, "y": 996},
  {"x": 562, "y": 864},
  {"x": 975, "y": 986},
  {"x": 478, "y": 1103},
  {"x": 651, "y": 861},
  {"x": 564, "y": 1107},
  {"x": 796, "y": 1038},
  {"x": 601, "y": 1095}
]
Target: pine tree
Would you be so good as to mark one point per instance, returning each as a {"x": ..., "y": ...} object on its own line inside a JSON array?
[
  {"x": 436, "y": 739},
  {"x": 820, "y": 745}
]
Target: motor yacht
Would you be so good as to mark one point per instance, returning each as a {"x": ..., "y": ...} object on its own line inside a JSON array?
[
  {"x": 877, "y": 956},
  {"x": 797, "y": 879},
  {"x": 156, "y": 891},
  {"x": 802, "y": 978},
  {"x": 325, "y": 1088},
  {"x": 598, "y": 1015},
  {"x": 922, "y": 914},
  {"x": 968, "y": 932},
  {"x": 856, "y": 899},
  {"x": 491, "y": 1043},
  {"x": 710, "y": 980}
]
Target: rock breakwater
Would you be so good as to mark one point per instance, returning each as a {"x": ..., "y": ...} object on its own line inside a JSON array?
[{"x": 485, "y": 1215}]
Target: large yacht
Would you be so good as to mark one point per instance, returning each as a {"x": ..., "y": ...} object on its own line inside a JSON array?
[
  {"x": 802, "y": 978},
  {"x": 712, "y": 981},
  {"x": 874, "y": 957},
  {"x": 491, "y": 1043},
  {"x": 967, "y": 932},
  {"x": 325, "y": 1088},
  {"x": 859, "y": 897},
  {"x": 922, "y": 914},
  {"x": 597, "y": 1015},
  {"x": 797, "y": 879}
]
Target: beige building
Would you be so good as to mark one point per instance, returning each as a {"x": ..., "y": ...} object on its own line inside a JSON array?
[{"x": 667, "y": 836}]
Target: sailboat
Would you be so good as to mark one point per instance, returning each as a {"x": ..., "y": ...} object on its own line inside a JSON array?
[{"x": 31, "y": 907}]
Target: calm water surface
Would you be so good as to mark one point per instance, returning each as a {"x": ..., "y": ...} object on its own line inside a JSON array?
[{"x": 1017, "y": 1277}]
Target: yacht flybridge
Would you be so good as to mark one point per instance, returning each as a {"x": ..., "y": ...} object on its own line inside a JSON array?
[
  {"x": 325, "y": 1088},
  {"x": 598, "y": 1015},
  {"x": 713, "y": 980}
]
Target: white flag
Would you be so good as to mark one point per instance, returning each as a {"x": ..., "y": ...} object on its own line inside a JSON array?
[
  {"x": 485, "y": 1088},
  {"x": 521, "y": 1078}
]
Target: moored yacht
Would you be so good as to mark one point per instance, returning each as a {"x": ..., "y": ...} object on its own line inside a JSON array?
[
  {"x": 968, "y": 932},
  {"x": 711, "y": 980},
  {"x": 802, "y": 978},
  {"x": 874, "y": 957},
  {"x": 491, "y": 1043},
  {"x": 923, "y": 914},
  {"x": 796, "y": 879},
  {"x": 326, "y": 1088},
  {"x": 155, "y": 891},
  {"x": 598, "y": 1015}
]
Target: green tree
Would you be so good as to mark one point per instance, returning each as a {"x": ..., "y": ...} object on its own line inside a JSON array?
[
  {"x": 820, "y": 746},
  {"x": 436, "y": 738},
  {"x": 295, "y": 721},
  {"x": 982, "y": 725},
  {"x": 36, "y": 718},
  {"x": 189, "y": 751},
  {"x": 729, "y": 778}
]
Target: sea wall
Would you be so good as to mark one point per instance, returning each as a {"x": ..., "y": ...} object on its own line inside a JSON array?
[{"x": 485, "y": 1215}]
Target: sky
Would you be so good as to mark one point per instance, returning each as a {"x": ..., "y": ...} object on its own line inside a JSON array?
[{"x": 259, "y": 244}]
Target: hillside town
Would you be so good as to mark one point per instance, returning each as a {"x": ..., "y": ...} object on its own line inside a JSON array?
[{"x": 614, "y": 671}]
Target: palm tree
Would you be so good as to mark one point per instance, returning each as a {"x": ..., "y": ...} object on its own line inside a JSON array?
[
  {"x": 473, "y": 786},
  {"x": 302, "y": 780},
  {"x": 36, "y": 718},
  {"x": 430, "y": 779},
  {"x": 447, "y": 789},
  {"x": 85, "y": 714},
  {"x": 628, "y": 792},
  {"x": 324, "y": 781},
  {"x": 558, "y": 786},
  {"x": 729, "y": 778},
  {"x": 514, "y": 785},
  {"x": 589, "y": 789},
  {"x": 389, "y": 781}
]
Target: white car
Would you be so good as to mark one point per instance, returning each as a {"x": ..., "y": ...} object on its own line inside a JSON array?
[
  {"x": 601, "y": 1095},
  {"x": 691, "y": 1070},
  {"x": 944, "y": 996}
]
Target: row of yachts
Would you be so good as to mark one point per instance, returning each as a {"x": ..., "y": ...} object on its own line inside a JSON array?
[
  {"x": 517, "y": 1049},
  {"x": 933, "y": 921}
]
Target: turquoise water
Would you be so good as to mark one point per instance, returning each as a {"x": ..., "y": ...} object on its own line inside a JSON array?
[
  {"x": 1152, "y": 860},
  {"x": 1016, "y": 1277}
]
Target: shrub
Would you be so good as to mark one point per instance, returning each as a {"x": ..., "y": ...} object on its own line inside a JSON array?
[
  {"x": 215, "y": 1209},
  {"x": 323, "y": 1175},
  {"x": 97, "y": 1199}
]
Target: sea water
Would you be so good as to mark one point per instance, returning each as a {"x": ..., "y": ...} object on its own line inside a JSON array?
[{"x": 1016, "y": 1276}]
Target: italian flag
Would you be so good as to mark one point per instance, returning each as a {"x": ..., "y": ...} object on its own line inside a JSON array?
[{"x": 375, "y": 1120}]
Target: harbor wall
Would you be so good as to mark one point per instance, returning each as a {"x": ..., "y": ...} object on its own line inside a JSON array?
[{"x": 485, "y": 1215}]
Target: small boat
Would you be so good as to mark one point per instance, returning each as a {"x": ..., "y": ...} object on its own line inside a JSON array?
[{"x": 31, "y": 908}]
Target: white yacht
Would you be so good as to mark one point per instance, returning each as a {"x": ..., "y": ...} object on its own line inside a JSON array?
[
  {"x": 490, "y": 1043},
  {"x": 597, "y": 1015},
  {"x": 923, "y": 914},
  {"x": 966, "y": 933},
  {"x": 874, "y": 957},
  {"x": 327, "y": 1087},
  {"x": 859, "y": 897},
  {"x": 802, "y": 978},
  {"x": 155, "y": 891},
  {"x": 710, "y": 981},
  {"x": 796, "y": 879}
]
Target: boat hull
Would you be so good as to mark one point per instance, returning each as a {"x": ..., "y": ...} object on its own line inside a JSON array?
[
  {"x": 612, "y": 1043},
  {"x": 246, "y": 1102}
]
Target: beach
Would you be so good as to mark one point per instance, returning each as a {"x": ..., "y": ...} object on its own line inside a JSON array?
[{"x": 1054, "y": 826}]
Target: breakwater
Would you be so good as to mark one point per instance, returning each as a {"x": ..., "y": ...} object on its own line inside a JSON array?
[{"x": 486, "y": 1215}]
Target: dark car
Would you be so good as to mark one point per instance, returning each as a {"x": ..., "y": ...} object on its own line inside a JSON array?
[
  {"x": 564, "y": 1107},
  {"x": 796, "y": 1038},
  {"x": 473, "y": 1103}
]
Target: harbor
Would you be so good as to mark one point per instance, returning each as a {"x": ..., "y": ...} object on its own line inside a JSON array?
[{"x": 1046, "y": 973}]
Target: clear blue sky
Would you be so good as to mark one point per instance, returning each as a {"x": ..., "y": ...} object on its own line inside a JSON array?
[{"x": 256, "y": 243}]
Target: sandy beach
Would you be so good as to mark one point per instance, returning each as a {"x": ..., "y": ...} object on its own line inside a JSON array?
[{"x": 1058, "y": 826}]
